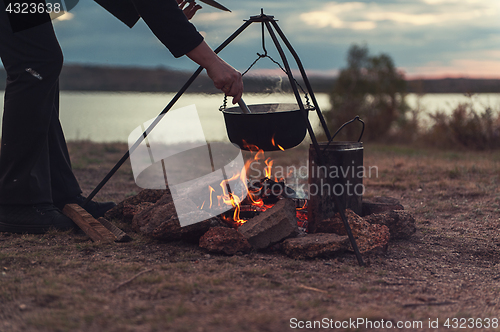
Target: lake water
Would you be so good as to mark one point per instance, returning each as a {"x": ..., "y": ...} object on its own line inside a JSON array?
[{"x": 112, "y": 116}]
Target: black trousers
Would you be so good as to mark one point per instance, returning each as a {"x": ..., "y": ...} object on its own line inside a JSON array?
[{"x": 34, "y": 160}]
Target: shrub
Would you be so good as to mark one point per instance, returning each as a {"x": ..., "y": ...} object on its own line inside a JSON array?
[{"x": 464, "y": 128}]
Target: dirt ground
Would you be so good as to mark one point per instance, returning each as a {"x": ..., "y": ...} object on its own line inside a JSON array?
[{"x": 448, "y": 272}]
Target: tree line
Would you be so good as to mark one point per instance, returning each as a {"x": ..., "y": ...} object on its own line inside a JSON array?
[{"x": 75, "y": 77}]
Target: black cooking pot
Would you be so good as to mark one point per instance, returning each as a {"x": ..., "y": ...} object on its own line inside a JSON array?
[{"x": 268, "y": 126}]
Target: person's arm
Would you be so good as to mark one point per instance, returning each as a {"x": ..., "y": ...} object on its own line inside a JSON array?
[
  {"x": 168, "y": 22},
  {"x": 225, "y": 77}
]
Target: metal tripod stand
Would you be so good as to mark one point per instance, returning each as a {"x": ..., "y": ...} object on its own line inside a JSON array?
[{"x": 271, "y": 25}]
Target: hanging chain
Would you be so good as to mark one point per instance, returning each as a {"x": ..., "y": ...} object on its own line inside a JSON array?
[{"x": 265, "y": 55}]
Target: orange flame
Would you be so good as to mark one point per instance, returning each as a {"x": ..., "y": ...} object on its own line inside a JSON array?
[
  {"x": 212, "y": 190},
  {"x": 268, "y": 169},
  {"x": 253, "y": 193},
  {"x": 273, "y": 142},
  {"x": 230, "y": 199}
]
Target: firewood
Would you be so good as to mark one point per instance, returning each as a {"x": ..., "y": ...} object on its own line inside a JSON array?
[
  {"x": 272, "y": 225},
  {"x": 120, "y": 235},
  {"x": 94, "y": 229}
]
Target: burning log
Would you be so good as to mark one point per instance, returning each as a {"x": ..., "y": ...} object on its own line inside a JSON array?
[
  {"x": 270, "y": 191},
  {"x": 272, "y": 225}
]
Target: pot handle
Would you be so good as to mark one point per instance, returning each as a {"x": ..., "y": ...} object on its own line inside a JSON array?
[
  {"x": 244, "y": 106},
  {"x": 345, "y": 124}
]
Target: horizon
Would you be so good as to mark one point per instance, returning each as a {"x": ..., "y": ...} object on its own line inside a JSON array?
[{"x": 278, "y": 72}]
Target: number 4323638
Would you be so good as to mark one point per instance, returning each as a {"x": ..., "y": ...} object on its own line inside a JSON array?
[
  {"x": 471, "y": 323},
  {"x": 32, "y": 8}
]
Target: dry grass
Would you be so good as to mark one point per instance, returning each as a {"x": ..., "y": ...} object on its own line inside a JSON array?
[
  {"x": 467, "y": 127},
  {"x": 61, "y": 281}
]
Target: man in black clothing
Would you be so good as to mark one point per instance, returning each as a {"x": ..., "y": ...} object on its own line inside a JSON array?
[{"x": 36, "y": 179}]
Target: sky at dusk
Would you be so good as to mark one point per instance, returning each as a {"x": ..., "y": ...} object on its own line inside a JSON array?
[{"x": 425, "y": 38}]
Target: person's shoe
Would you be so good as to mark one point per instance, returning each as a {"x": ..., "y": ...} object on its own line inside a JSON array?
[
  {"x": 36, "y": 219},
  {"x": 96, "y": 209}
]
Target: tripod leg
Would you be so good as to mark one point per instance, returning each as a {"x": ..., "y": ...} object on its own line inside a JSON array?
[{"x": 159, "y": 117}]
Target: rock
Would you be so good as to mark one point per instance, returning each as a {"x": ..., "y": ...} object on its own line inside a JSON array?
[
  {"x": 315, "y": 245},
  {"x": 401, "y": 224},
  {"x": 146, "y": 195},
  {"x": 368, "y": 237},
  {"x": 129, "y": 211},
  {"x": 335, "y": 224},
  {"x": 372, "y": 239},
  {"x": 380, "y": 204},
  {"x": 272, "y": 225},
  {"x": 224, "y": 240},
  {"x": 160, "y": 222}
]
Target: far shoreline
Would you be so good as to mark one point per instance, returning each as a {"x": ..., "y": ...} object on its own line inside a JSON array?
[{"x": 79, "y": 77}]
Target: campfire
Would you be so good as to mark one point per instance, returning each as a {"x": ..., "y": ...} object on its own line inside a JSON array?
[
  {"x": 269, "y": 213},
  {"x": 259, "y": 194},
  {"x": 260, "y": 206}
]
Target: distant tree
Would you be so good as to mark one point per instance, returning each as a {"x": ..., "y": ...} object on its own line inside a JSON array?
[{"x": 372, "y": 88}]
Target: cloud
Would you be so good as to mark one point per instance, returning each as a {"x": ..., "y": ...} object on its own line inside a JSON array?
[
  {"x": 460, "y": 35},
  {"x": 424, "y": 19},
  {"x": 456, "y": 68},
  {"x": 363, "y": 16},
  {"x": 331, "y": 16},
  {"x": 440, "y": 2},
  {"x": 211, "y": 17}
]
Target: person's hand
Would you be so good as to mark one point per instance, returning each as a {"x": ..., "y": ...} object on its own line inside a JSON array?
[
  {"x": 225, "y": 77},
  {"x": 190, "y": 10}
]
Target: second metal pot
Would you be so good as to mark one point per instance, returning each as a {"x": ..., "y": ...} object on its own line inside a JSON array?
[{"x": 269, "y": 127}]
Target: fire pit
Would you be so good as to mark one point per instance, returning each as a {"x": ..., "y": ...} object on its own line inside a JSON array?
[{"x": 270, "y": 24}]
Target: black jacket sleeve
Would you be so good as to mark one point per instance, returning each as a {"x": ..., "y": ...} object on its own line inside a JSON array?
[
  {"x": 123, "y": 10},
  {"x": 164, "y": 18}
]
